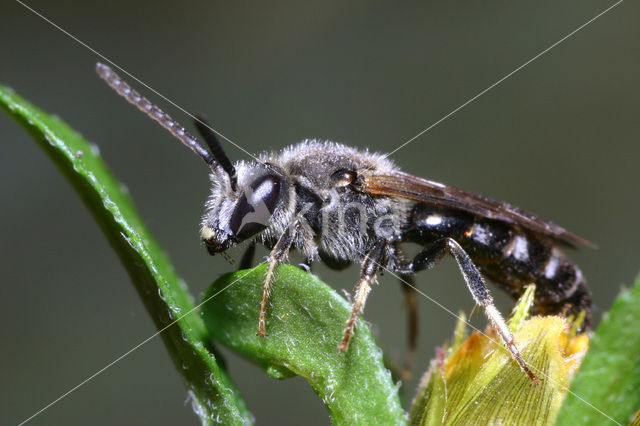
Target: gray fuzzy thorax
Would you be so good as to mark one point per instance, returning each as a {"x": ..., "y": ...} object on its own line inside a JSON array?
[{"x": 349, "y": 221}]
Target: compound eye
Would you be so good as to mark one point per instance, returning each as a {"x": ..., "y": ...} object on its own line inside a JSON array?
[{"x": 254, "y": 209}]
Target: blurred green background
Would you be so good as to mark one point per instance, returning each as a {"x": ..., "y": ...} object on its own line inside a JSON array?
[{"x": 559, "y": 138}]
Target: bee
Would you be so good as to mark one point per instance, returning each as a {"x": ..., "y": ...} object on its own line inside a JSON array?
[{"x": 339, "y": 205}]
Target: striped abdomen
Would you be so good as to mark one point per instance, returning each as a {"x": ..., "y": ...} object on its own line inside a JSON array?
[{"x": 510, "y": 257}]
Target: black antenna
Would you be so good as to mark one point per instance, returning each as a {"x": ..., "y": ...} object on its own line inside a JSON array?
[
  {"x": 155, "y": 113},
  {"x": 213, "y": 142}
]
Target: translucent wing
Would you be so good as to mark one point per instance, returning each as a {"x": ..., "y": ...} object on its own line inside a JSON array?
[{"x": 429, "y": 192}]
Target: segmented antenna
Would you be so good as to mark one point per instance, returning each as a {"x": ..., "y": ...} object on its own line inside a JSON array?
[
  {"x": 215, "y": 147},
  {"x": 155, "y": 113}
]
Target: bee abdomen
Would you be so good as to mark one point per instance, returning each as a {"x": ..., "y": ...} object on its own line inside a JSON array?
[
  {"x": 509, "y": 257},
  {"x": 561, "y": 288},
  {"x": 485, "y": 240},
  {"x": 432, "y": 223},
  {"x": 527, "y": 258}
]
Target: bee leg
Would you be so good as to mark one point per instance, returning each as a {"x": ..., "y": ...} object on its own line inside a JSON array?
[
  {"x": 247, "y": 258},
  {"x": 370, "y": 267},
  {"x": 411, "y": 300},
  {"x": 277, "y": 256},
  {"x": 307, "y": 265},
  {"x": 408, "y": 286},
  {"x": 433, "y": 252}
]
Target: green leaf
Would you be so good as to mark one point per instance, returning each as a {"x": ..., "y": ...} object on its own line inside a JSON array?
[
  {"x": 305, "y": 320},
  {"x": 609, "y": 378},
  {"x": 164, "y": 294}
]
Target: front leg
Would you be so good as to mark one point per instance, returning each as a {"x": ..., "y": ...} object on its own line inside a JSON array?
[
  {"x": 370, "y": 266},
  {"x": 277, "y": 256}
]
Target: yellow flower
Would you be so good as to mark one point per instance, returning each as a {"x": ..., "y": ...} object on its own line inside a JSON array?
[{"x": 476, "y": 381}]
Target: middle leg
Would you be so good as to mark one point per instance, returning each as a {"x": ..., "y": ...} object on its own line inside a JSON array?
[{"x": 370, "y": 266}]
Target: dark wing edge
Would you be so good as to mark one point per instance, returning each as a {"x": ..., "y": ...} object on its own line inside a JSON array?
[{"x": 421, "y": 190}]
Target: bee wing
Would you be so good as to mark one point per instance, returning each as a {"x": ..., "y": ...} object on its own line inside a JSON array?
[{"x": 429, "y": 192}]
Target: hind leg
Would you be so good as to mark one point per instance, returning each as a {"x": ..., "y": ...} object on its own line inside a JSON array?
[
  {"x": 408, "y": 286},
  {"x": 407, "y": 283},
  {"x": 428, "y": 257}
]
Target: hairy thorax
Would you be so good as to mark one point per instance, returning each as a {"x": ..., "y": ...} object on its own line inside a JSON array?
[{"x": 341, "y": 223}]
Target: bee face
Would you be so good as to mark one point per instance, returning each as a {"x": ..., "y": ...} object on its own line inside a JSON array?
[{"x": 234, "y": 216}]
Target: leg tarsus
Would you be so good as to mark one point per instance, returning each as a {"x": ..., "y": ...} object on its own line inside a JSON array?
[
  {"x": 479, "y": 291},
  {"x": 362, "y": 291},
  {"x": 277, "y": 256},
  {"x": 482, "y": 297},
  {"x": 370, "y": 266},
  {"x": 306, "y": 266}
]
